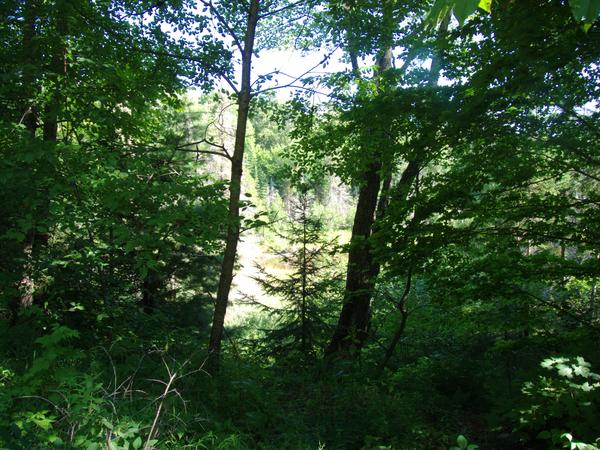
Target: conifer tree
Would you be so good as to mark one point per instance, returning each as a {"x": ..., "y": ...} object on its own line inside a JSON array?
[{"x": 308, "y": 292}]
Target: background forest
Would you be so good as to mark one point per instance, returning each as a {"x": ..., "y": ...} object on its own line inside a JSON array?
[{"x": 415, "y": 228}]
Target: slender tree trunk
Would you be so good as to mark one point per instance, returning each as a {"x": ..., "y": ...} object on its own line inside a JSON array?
[
  {"x": 58, "y": 67},
  {"x": 29, "y": 119},
  {"x": 384, "y": 196},
  {"x": 52, "y": 108},
  {"x": 233, "y": 225},
  {"x": 410, "y": 174},
  {"x": 26, "y": 284},
  {"x": 389, "y": 352},
  {"x": 353, "y": 324},
  {"x": 304, "y": 336}
]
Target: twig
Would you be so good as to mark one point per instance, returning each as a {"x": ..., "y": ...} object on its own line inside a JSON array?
[{"x": 172, "y": 378}]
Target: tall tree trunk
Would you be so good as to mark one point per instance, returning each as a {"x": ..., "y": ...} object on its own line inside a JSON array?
[
  {"x": 352, "y": 328},
  {"x": 353, "y": 323},
  {"x": 29, "y": 118},
  {"x": 233, "y": 225},
  {"x": 36, "y": 239},
  {"x": 304, "y": 336},
  {"x": 58, "y": 68}
]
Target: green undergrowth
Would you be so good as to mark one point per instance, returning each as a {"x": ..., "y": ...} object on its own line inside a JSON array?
[{"x": 147, "y": 388}]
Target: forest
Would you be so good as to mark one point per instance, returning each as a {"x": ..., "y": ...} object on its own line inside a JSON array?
[{"x": 206, "y": 245}]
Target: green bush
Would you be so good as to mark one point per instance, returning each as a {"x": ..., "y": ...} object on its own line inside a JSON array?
[{"x": 563, "y": 408}]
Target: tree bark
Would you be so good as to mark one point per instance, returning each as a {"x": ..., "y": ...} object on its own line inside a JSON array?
[
  {"x": 410, "y": 174},
  {"x": 233, "y": 225},
  {"x": 26, "y": 284},
  {"x": 150, "y": 288},
  {"x": 351, "y": 329},
  {"x": 304, "y": 336},
  {"x": 353, "y": 324},
  {"x": 29, "y": 119}
]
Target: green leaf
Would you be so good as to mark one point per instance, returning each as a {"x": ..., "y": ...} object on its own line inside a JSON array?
[
  {"x": 585, "y": 10},
  {"x": 464, "y": 8},
  {"x": 107, "y": 424},
  {"x": 137, "y": 443},
  {"x": 438, "y": 12},
  {"x": 462, "y": 441},
  {"x": 565, "y": 371},
  {"x": 486, "y": 5},
  {"x": 567, "y": 436},
  {"x": 55, "y": 440},
  {"x": 59, "y": 333},
  {"x": 14, "y": 235}
]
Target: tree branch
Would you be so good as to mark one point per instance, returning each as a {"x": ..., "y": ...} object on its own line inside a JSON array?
[
  {"x": 283, "y": 8},
  {"x": 223, "y": 22},
  {"x": 224, "y": 152},
  {"x": 299, "y": 77}
]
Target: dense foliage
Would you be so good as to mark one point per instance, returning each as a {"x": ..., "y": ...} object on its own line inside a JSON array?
[{"x": 426, "y": 223}]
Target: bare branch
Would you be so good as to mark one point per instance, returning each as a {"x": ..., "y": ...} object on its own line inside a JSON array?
[
  {"x": 299, "y": 77},
  {"x": 224, "y": 153}
]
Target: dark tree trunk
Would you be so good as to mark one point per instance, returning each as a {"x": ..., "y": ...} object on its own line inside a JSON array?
[
  {"x": 29, "y": 118},
  {"x": 352, "y": 326},
  {"x": 410, "y": 175},
  {"x": 233, "y": 225},
  {"x": 26, "y": 285},
  {"x": 303, "y": 306},
  {"x": 38, "y": 239},
  {"x": 150, "y": 290}
]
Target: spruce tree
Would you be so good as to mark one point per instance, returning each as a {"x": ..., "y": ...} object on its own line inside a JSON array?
[{"x": 302, "y": 322}]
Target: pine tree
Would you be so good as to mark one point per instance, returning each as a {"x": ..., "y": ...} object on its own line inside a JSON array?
[{"x": 303, "y": 321}]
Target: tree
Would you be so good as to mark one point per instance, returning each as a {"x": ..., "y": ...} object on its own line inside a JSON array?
[
  {"x": 367, "y": 152},
  {"x": 243, "y": 42},
  {"x": 495, "y": 206},
  {"x": 91, "y": 96},
  {"x": 308, "y": 292}
]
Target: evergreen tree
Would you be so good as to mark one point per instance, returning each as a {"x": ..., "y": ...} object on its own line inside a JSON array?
[{"x": 307, "y": 292}]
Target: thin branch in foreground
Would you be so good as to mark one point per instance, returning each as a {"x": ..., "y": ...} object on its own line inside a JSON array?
[
  {"x": 224, "y": 153},
  {"x": 299, "y": 77}
]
